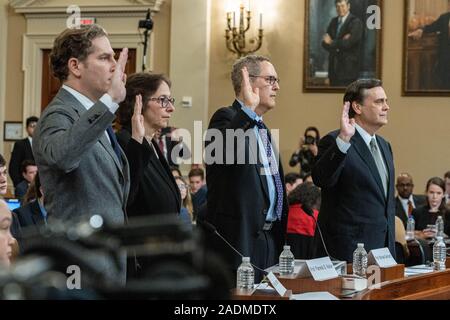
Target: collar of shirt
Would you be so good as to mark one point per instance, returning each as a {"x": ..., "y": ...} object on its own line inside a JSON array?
[
  {"x": 252, "y": 114},
  {"x": 405, "y": 201},
  {"x": 365, "y": 135},
  {"x": 85, "y": 101},
  {"x": 31, "y": 140},
  {"x": 344, "y": 17}
]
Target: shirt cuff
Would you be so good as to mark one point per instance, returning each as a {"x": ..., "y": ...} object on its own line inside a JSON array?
[
  {"x": 107, "y": 100},
  {"x": 342, "y": 145}
]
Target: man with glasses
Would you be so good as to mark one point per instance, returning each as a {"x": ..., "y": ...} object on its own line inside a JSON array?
[
  {"x": 247, "y": 201},
  {"x": 21, "y": 152},
  {"x": 406, "y": 201}
]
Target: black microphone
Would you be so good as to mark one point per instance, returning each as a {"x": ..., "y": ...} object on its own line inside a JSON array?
[
  {"x": 211, "y": 228},
  {"x": 310, "y": 212}
]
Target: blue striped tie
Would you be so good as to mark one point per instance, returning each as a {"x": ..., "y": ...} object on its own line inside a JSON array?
[{"x": 274, "y": 171}]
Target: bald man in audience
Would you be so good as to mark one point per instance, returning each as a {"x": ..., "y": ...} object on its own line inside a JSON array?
[{"x": 406, "y": 201}]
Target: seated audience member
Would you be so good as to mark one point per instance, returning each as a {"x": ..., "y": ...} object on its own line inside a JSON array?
[
  {"x": 292, "y": 180},
  {"x": 29, "y": 170},
  {"x": 406, "y": 201},
  {"x": 7, "y": 241},
  {"x": 171, "y": 145},
  {"x": 425, "y": 216},
  {"x": 3, "y": 177},
  {"x": 307, "y": 152},
  {"x": 400, "y": 239},
  {"x": 198, "y": 188},
  {"x": 447, "y": 187},
  {"x": 304, "y": 202},
  {"x": 308, "y": 178},
  {"x": 176, "y": 172},
  {"x": 186, "y": 213},
  {"x": 33, "y": 213}
]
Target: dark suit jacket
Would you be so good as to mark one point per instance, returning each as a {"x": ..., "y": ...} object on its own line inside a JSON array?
[
  {"x": 179, "y": 149},
  {"x": 345, "y": 54},
  {"x": 399, "y": 212},
  {"x": 153, "y": 188},
  {"x": 441, "y": 26},
  {"x": 423, "y": 217},
  {"x": 237, "y": 200},
  {"x": 22, "y": 151},
  {"x": 29, "y": 215},
  {"x": 354, "y": 208}
]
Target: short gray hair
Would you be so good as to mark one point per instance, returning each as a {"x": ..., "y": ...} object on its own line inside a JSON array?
[{"x": 253, "y": 64}]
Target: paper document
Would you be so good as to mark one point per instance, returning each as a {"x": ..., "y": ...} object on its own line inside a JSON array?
[{"x": 314, "y": 296}]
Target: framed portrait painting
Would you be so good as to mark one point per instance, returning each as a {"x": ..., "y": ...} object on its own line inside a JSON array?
[
  {"x": 426, "y": 58},
  {"x": 342, "y": 43}
]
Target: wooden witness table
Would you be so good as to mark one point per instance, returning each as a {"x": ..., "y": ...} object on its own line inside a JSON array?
[{"x": 394, "y": 286}]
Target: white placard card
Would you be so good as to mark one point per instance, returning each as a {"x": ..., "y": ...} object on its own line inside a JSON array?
[
  {"x": 276, "y": 284},
  {"x": 321, "y": 269},
  {"x": 381, "y": 257}
]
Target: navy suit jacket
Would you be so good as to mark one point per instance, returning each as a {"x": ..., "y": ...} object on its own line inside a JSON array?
[{"x": 354, "y": 208}]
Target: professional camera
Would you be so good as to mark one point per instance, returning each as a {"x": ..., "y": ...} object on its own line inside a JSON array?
[{"x": 309, "y": 140}]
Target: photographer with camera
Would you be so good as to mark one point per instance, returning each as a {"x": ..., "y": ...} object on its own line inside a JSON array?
[{"x": 306, "y": 154}]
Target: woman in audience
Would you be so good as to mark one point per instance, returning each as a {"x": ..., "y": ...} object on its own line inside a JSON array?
[
  {"x": 304, "y": 203},
  {"x": 425, "y": 216},
  {"x": 3, "y": 177},
  {"x": 186, "y": 207},
  {"x": 146, "y": 109},
  {"x": 7, "y": 241}
]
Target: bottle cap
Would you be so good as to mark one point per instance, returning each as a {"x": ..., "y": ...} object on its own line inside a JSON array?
[
  {"x": 245, "y": 259},
  {"x": 360, "y": 245},
  {"x": 439, "y": 238},
  {"x": 287, "y": 247}
]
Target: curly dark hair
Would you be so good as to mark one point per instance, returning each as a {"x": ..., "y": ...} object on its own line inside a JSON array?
[
  {"x": 143, "y": 83},
  {"x": 2, "y": 161},
  {"x": 306, "y": 194},
  {"x": 73, "y": 43}
]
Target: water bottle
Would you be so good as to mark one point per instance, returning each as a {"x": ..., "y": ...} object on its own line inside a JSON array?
[
  {"x": 410, "y": 228},
  {"x": 360, "y": 261},
  {"x": 439, "y": 254},
  {"x": 245, "y": 275},
  {"x": 286, "y": 262},
  {"x": 439, "y": 227}
]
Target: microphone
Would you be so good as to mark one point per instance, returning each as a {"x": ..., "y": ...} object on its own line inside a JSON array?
[
  {"x": 212, "y": 229},
  {"x": 310, "y": 212}
]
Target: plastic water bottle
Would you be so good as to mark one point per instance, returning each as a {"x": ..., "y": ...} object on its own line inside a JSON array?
[
  {"x": 245, "y": 275},
  {"x": 410, "y": 228},
  {"x": 286, "y": 262},
  {"x": 439, "y": 227},
  {"x": 360, "y": 261},
  {"x": 439, "y": 254}
]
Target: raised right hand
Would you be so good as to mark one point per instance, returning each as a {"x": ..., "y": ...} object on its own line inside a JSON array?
[
  {"x": 347, "y": 124},
  {"x": 250, "y": 95},
  {"x": 117, "y": 90},
  {"x": 137, "y": 121}
]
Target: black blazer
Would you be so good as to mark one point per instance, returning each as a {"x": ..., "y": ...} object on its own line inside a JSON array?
[
  {"x": 237, "y": 199},
  {"x": 423, "y": 218},
  {"x": 153, "y": 189},
  {"x": 354, "y": 208},
  {"x": 419, "y": 200},
  {"x": 22, "y": 151},
  {"x": 345, "y": 54},
  {"x": 29, "y": 215}
]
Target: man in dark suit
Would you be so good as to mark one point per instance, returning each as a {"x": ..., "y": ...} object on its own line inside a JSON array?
[
  {"x": 355, "y": 170},
  {"x": 442, "y": 27},
  {"x": 406, "y": 201},
  {"x": 22, "y": 151},
  {"x": 343, "y": 42},
  {"x": 246, "y": 199},
  {"x": 82, "y": 168}
]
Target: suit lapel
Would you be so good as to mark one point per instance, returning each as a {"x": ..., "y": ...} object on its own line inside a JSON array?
[
  {"x": 108, "y": 147},
  {"x": 364, "y": 152},
  {"x": 388, "y": 161}
]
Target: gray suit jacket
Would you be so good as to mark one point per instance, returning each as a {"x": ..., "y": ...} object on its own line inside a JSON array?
[{"x": 79, "y": 170}]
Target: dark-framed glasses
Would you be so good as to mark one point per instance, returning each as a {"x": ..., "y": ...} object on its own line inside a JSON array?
[
  {"x": 164, "y": 101},
  {"x": 269, "y": 79}
]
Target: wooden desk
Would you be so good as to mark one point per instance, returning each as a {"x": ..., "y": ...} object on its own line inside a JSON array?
[{"x": 431, "y": 286}]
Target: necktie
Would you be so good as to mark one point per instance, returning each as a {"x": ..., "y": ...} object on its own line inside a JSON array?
[
  {"x": 339, "y": 26},
  {"x": 410, "y": 208},
  {"x": 114, "y": 142},
  {"x": 161, "y": 145},
  {"x": 274, "y": 171},
  {"x": 379, "y": 163}
]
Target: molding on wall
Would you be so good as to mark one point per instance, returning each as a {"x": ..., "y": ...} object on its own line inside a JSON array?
[{"x": 3, "y": 53}]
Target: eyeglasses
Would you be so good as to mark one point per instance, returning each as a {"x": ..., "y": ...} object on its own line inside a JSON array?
[
  {"x": 164, "y": 101},
  {"x": 269, "y": 79}
]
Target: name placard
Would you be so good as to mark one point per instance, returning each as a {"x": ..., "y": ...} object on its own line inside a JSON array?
[
  {"x": 381, "y": 257},
  {"x": 276, "y": 284},
  {"x": 321, "y": 269}
]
